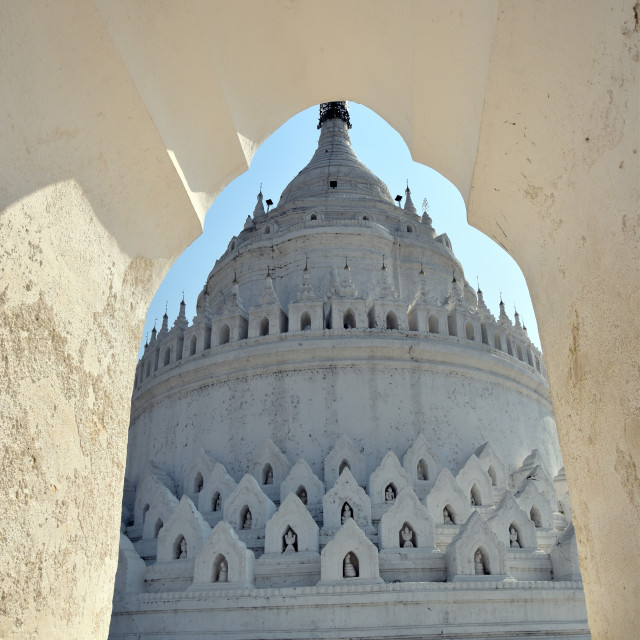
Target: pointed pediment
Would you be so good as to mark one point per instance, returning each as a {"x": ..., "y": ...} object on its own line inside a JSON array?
[
  {"x": 388, "y": 480},
  {"x": 344, "y": 453},
  {"x": 269, "y": 465},
  {"x": 300, "y": 481},
  {"x": 408, "y": 511},
  {"x": 493, "y": 465},
  {"x": 346, "y": 491},
  {"x": 292, "y": 517},
  {"x": 247, "y": 496},
  {"x": 201, "y": 467},
  {"x": 476, "y": 536},
  {"x": 224, "y": 561},
  {"x": 420, "y": 462},
  {"x": 475, "y": 482},
  {"x": 218, "y": 485},
  {"x": 185, "y": 523},
  {"x": 510, "y": 516},
  {"x": 446, "y": 493}
]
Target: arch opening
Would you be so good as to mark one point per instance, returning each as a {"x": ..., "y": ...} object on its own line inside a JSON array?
[
  {"x": 198, "y": 482},
  {"x": 350, "y": 565},
  {"x": 349, "y": 319},
  {"x": 220, "y": 572}
]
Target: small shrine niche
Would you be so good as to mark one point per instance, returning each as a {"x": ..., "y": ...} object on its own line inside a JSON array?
[
  {"x": 407, "y": 537},
  {"x": 350, "y": 566},
  {"x": 198, "y": 483},
  {"x": 514, "y": 536},
  {"x": 290, "y": 541},
  {"x": 267, "y": 474},
  {"x": 422, "y": 471},
  {"x": 474, "y": 497},
  {"x": 291, "y": 529},
  {"x": 492, "y": 474},
  {"x": 180, "y": 548},
  {"x": 345, "y": 513},
  {"x": 448, "y": 515},
  {"x": 220, "y": 569},
  {"x": 156, "y": 528},
  {"x": 246, "y": 519},
  {"x": 480, "y": 563},
  {"x": 216, "y": 502},
  {"x": 390, "y": 493},
  {"x": 302, "y": 494},
  {"x": 343, "y": 465},
  {"x": 535, "y": 516}
]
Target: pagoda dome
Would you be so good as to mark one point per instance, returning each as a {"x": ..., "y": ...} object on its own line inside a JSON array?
[{"x": 334, "y": 172}]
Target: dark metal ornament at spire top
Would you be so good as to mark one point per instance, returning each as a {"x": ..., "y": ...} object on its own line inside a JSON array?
[{"x": 330, "y": 110}]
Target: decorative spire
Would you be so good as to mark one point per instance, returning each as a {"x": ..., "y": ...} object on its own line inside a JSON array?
[
  {"x": 483, "y": 310},
  {"x": 517, "y": 318},
  {"x": 306, "y": 290},
  {"x": 259, "y": 211},
  {"x": 504, "y": 319},
  {"x": 268, "y": 295},
  {"x": 330, "y": 110},
  {"x": 345, "y": 288},
  {"x": 386, "y": 290},
  {"x": 423, "y": 295},
  {"x": 408, "y": 202},
  {"x": 153, "y": 333},
  {"x": 165, "y": 324},
  {"x": 456, "y": 294},
  {"x": 426, "y": 219},
  {"x": 233, "y": 302},
  {"x": 181, "y": 322}
]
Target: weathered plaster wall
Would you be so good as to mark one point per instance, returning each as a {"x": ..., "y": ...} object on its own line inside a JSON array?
[
  {"x": 380, "y": 404},
  {"x": 101, "y": 149},
  {"x": 82, "y": 218},
  {"x": 559, "y": 160}
]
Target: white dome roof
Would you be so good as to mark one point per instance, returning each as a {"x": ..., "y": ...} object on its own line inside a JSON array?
[{"x": 334, "y": 161}]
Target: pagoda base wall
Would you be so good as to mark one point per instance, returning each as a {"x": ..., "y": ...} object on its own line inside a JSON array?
[{"x": 479, "y": 609}]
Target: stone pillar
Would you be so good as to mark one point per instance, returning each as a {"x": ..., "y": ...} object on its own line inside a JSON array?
[
  {"x": 92, "y": 212},
  {"x": 557, "y": 186}
]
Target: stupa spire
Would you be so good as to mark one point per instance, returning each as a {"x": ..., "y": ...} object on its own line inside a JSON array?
[
  {"x": 268, "y": 295},
  {"x": 258, "y": 210},
  {"x": 409, "y": 207},
  {"x": 346, "y": 288},
  {"x": 306, "y": 290},
  {"x": 181, "y": 321},
  {"x": 483, "y": 310},
  {"x": 504, "y": 319},
  {"x": 330, "y": 110},
  {"x": 386, "y": 290}
]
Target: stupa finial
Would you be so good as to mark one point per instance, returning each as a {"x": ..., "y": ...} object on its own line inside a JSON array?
[{"x": 330, "y": 110}]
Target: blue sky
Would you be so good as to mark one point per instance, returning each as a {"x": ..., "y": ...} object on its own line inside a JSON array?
[{"x": 382, "y": 149}]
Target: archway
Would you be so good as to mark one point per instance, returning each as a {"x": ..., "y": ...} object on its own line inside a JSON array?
[{"x": 150, "y": 223}]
